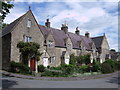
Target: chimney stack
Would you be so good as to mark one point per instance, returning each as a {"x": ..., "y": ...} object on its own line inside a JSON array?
[
  {"x": 77, "y": 31},
  {"x": 47, "y": 23},
  {"x": 64, "y": 27},
  {"x": 87, "y": 34}
]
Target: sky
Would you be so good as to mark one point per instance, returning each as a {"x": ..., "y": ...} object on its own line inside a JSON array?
[{"x": 96, "y": 17}]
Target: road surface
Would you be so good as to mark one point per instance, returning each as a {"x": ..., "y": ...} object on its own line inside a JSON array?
[{"x": 106, "y": 82}]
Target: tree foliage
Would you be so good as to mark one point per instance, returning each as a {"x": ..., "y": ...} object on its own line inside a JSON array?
[
  {"x": 5, "y": 9},
  {"x": 72, "y": 59},
  {"x": 83, "y": 59},
  {"x": 29, "y": 50}
]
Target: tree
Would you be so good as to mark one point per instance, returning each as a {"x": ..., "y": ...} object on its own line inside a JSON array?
[
  {"x": 4, "y": 25},
  {"x": 3, "y": 12},
  {"x": 29, "y": 50},
  {"x": 5, "y": 9},
  {"x": 72, "y": 59}
]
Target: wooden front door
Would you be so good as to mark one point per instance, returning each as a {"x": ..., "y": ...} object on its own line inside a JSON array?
[{"x": 32, "y": 64}]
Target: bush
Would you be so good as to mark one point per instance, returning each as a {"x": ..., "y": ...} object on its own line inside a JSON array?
[
  {"x": 117, "y": 65},
  {"x": 41, "y": 68},
  {"x": 96, "y": 66},
  {"x": 106, "y": 68},
  {"x": 85, "y": 68},
  {"x": 83, "y": 59},
  {"x": 67, "y": 69},
  {"x": 72, "y": 59},
  {"x": 52, "y": 73},
  {"x": 19, "y": 68},
  {"x": 55, "y": 68},
  {"x": 111, "y": 63}
]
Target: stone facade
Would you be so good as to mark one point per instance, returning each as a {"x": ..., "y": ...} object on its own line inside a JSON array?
[{"x": 56, "y": 48}]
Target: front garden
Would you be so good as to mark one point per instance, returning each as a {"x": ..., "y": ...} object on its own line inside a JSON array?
[{"x": 78, "y": 66}]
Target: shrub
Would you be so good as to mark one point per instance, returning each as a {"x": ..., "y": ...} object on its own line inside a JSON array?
[
  {"x": 111, "y": 63},
  {"x": 85, "y": 68},
  {"x": 72, "y": 59},
  {"x": 52, "y": 73},
  {"x": 83, "y": 59},
  {"x": 55, "y": 68},
  {"x": 96, "y": 66},
  {"x": 118, "y": 65},
  {"x": 19, "y": 68},
  {"x": 41, "y": 68},
  {"x": 67, "y": 69},
  {"x": 106, "y": 68}
]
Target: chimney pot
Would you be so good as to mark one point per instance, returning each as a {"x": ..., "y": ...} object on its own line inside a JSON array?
[
  {"x": 64, "y": 27},
  {"x": 47, "y": 23},
  {"x": 77, "y": 31},
  {"x": 87, "y": 34}
]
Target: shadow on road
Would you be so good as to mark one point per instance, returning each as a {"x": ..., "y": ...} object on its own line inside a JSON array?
[
  {"x": 115, "y": 80},
  {"x": 8, "y": 83}
]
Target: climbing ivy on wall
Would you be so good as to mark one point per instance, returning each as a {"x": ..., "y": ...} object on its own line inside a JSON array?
[{"x": 29, "y": 50}]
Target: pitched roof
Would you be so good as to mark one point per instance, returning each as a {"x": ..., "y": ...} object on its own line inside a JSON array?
[
  {"x": 114, "y": 55},
  {"x": 59, "y": 37},
  {"x": 98, "y": 41},
  {"x": 10, "y": 26}
]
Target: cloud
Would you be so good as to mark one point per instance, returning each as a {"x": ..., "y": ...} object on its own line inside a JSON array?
[
  {"x": 95, "y": 17},
  {"x": 66, "y": 0},
  {"x": 15, "y": 12}
]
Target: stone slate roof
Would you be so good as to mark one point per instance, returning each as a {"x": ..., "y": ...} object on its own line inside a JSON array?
[
  {"x": 59, "y": 37},
  {"x": 98, "y": 41},
  {"x": 114, "y": 55}
]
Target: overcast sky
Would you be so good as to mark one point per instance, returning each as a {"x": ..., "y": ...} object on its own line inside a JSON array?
[{"x": 96, "y": 17}]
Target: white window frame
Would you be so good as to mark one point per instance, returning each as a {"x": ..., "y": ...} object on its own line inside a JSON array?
[
  {"x": 28, "y": 39},
  {"x": 52, "y": 59},
  {"x": 50, "y": 44},
  {"x": 69, "y": 46},
  {"x": 29, "y": 23}
]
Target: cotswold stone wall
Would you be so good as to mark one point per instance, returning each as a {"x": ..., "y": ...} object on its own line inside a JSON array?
[
  {"x": 104, "y": 49},
  {"x": 19, "y": 33}
]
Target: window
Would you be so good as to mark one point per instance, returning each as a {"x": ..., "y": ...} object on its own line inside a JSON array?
[
  {"x": 28, "y": 39},
  {"x": 52, "y": 59},
  {"x": 50, "y": 44},
  {"x": 29, "y": 23},
  {"x": 69, "y": 46}
]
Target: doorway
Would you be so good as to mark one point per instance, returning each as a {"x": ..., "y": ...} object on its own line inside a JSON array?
[{"x": 32, "y": 64}]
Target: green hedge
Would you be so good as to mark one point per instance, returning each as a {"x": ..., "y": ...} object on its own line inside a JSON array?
[
  {"x": 19, "y": 68},
  {"x": 51, "y": 73},
  {"x": 106, "y": 68},
  {"x": 85, "y": 68},
  {"x": 96, "y": 66},
  {"x": 41, "y": 68},
  {"x": 111, "y": 63}
]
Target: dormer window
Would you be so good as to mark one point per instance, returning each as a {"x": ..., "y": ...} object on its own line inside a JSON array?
[
  {"x": 29, "y": 23},
  {"x": 50, "y": 44},
  {"x": 69, "y": 46}
]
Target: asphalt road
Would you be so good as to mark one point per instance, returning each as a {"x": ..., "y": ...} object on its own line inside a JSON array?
[{"x": 107, "y": 82}]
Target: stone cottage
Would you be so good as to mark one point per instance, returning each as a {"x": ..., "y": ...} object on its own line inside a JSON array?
[{"x": 56, "y": 45}]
